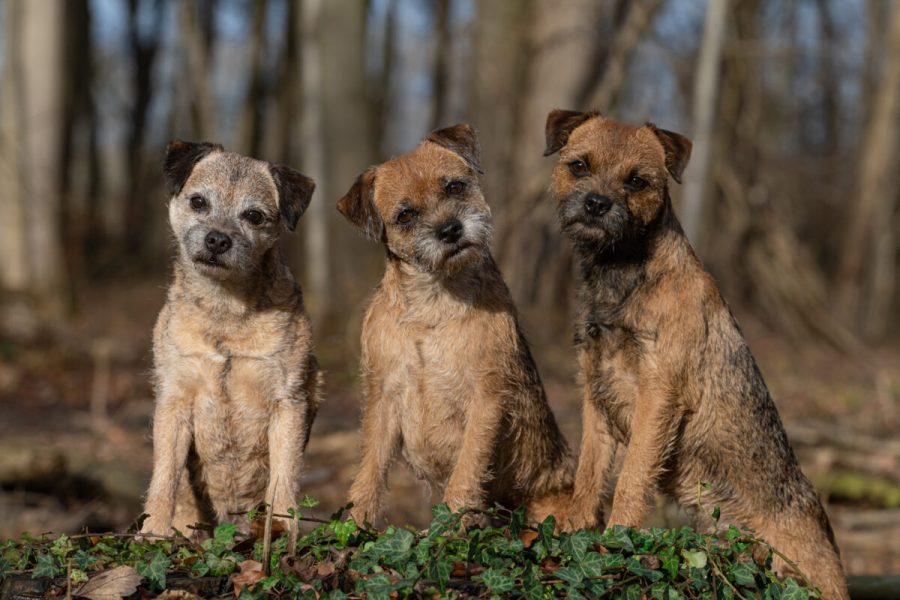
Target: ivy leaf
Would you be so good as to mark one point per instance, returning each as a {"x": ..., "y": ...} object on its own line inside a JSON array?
[
  {"x": 440, "y": 570},
  {"x": 592, "y": 565},
  {"x": 395, "y": 546},
  {"x": 343, "y": 530},
  {"x": 308, "y": 502},
  {"x": 441, "y": 512},
  {"x": 378, "y": 586},
  {"x": 46, "y": 566},
  {"x": 670, "y": 564},
  {"x": 570, "y": 575},
  {"x": 618, "y": 537},
  {"x": 695, "y": 558},
  {"x": 154, "y": 570},
  {"x": 634, "y": 566},
  {"x": 633, "y": 592},
  {"x": 62, "y": 547},
  {"x": 223, "y": 534},
  {"x": 576, "y": 544},
  {"x": 743, "y": 573},
  {"x": 793, "y": 591},
  {"x": 497, "y": 581}
]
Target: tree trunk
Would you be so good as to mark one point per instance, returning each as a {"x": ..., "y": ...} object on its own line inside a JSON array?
[
  {"x": 13, "y": 263},
  {"x": 34, "y": 65},
  {"x": 197, "y": 55},
  {"x": 312, "y": 143},
  {"x": 348, "y": 145},
  {"x": 441, "y": 69},
  {"x": 252, "y": 119},
  {"x": 758, "y": 255},
  {"x": 135, "y": 203},
  {"x": 638, "y": 18},
  {"x": 500, "y": 67},
  {"x": 867, "y": 271},
  {"x": 706, "y": 87}
]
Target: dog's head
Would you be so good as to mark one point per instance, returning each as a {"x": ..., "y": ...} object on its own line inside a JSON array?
[
  {"x": 611, "y": 180},
  {"x": 227, "y": 210},
  {"x": 426, "y": 206}
]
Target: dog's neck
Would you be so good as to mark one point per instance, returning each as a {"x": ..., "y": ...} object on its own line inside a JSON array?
[
  {"x": 476, "y": 285},
  {"x": 270, "y": 286},
  {"x": 611, "y": 274}
]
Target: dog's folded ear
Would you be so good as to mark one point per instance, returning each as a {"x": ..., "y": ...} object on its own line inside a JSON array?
[
  {"x": 677, "y": 148},
  {"x": 560, "y": 124},
  {"x": 181, "y": 156},
  {"x": 462, "y": 140},
  {"x": 295, "y": 191},
  {"x": 358, "y": 206}
]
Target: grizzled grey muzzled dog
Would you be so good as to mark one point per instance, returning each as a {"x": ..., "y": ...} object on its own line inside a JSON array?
[{"x": 237, "y": 386}]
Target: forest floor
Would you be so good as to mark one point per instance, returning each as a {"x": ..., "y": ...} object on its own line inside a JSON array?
[{"x": 75, "y": 407}]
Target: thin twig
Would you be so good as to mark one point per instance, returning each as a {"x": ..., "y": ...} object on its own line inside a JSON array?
[
  {"x": 267, "y": 539},
  {"x": 722, "y": 575}
]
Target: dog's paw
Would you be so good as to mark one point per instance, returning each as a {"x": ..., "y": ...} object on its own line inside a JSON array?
[
  {"x": 477, "y": 520},
  {"x": 154, "y": 528}
]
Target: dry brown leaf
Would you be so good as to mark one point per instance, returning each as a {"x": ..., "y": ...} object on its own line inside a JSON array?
[
  {"x": 178, "y": 595},
  {"x": 527, "y": 537},
  {"x": 251, "y": 573},
  {"x": 325, "y": 569},
  {"x": 114, "y": 584}
]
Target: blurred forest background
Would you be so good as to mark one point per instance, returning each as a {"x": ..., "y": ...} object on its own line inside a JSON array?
[{"x": 791, "y": 199}]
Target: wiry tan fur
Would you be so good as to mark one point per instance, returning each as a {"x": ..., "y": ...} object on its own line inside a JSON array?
[
  {"x": 236, "y": 384},
  {"x": 665, "y": 368},
  {"x": 449, "y": 380}
]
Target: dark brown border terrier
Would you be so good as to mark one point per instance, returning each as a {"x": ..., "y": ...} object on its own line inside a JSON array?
[
  {"x": 236, "y": 383},
  {"x": 449, "y": 380},
  {"x": 665, "y": 368}
]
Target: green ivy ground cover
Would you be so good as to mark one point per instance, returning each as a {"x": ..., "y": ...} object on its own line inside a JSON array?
[{"x": 339, "y": 559}]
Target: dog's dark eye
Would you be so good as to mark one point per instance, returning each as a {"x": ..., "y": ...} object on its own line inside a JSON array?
[
  {"x": 253, "y": 216},
  {"x": 579, "y": 168},
  {"x": 198, "y": 202},
  {"x": 455, "y": 188},
  {"x": 635, "y": 183},
  {"x": 406, "y": 216}
]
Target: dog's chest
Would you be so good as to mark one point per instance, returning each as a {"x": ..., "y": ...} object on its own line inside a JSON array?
[
  {"x": 231, "y": 375},
  {"x": 433, "y": 387},
  {"x": 612, "y": 354}
]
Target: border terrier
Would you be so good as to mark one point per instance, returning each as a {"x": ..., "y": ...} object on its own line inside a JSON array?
[
  {"x": 237, "y": 387},
  {"x": 448, "y": 377},
  {"x": 664, "y": 365}
]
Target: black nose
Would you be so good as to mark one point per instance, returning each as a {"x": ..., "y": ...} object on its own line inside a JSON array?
[
  {"x": 595, "y": 204},
  {"x": 450, "y": 232},
  {"x": 217, "y": 242}
]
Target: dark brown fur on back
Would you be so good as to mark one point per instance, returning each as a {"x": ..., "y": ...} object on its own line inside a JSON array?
[{"x": 665, "y": 368}]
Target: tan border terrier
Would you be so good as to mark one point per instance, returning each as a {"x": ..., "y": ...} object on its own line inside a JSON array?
[
  {"x": 448, "y": 376},
  {"x": 665, "y": 368},
  {"x": 236, "y": 383}
]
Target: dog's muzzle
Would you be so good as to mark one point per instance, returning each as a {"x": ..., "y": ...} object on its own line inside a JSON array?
[{"x": 596, "y": 205}]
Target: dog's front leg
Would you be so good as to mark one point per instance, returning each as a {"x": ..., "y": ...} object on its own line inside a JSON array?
[
  {"x": 171, "y": 443},
  {"x": 465, "y": 488},
  {"x": 380, "y": 441},
  {"x": 654, "y": 428},
  {"x": 598, "y": 447},
  {"x": 287, "y": 430}
]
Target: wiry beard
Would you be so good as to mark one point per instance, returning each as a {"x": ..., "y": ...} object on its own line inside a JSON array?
[{"x": 434, "y": 256}]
